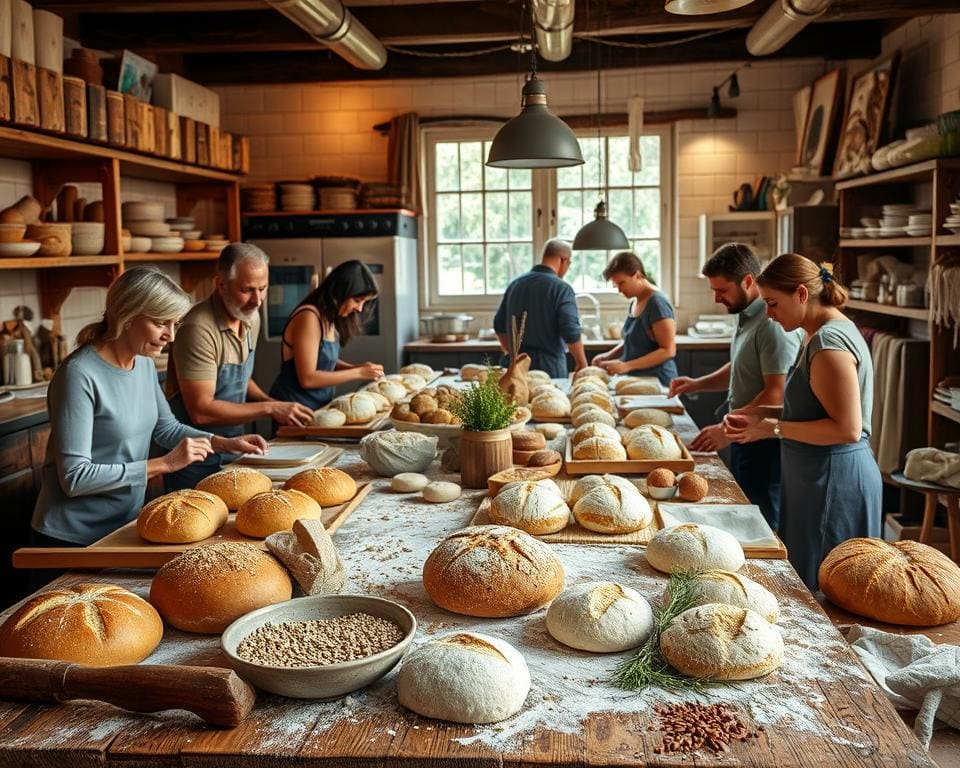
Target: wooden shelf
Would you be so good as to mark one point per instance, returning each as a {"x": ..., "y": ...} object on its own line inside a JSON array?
[
  {"x": 908, "y": 173},
  {"x": 255, "y": 214},
  {"x": 45, "y": 262},
  {"x": 887, "y": 242},
  {"x": 21, "y": 144},
  {"x": 945, "y": 410},
  {"x": 948, "y": 239},
  {"x": 914, "y": 313},
  {"x": 181, "y": 256}
]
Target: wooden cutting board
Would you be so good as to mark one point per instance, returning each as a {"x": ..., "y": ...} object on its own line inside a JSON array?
[
  {"x": 280, "y": 475},
  {"x": 125, "y": 549},
  {"x": 295, "y": 454},
  {"x": 628, "y": 466},
  {"x": 346, "y": 432}
]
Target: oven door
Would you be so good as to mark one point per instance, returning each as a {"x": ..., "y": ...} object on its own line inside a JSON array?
[{"x": 295, "y": 267}]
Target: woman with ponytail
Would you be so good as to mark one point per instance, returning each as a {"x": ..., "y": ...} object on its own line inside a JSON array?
[
  {"x": 106, "y": 408},
  {"x": 831, "y": 486}
]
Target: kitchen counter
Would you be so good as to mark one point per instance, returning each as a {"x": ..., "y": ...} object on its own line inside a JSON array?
[
  {"x": 21, "y": 413},
  {"x": 592, "y": 345}
]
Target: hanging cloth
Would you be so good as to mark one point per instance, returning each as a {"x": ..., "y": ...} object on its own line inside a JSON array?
[
  {"x": 403, "y": 158},
  {"x": 635, "y": 129}
]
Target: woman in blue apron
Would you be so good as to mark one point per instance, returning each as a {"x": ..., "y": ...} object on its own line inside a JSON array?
[
  {"x": 325, "y": 320},
  {"x": 649, "y": 332},
  {"x": 831, "y": 486}
]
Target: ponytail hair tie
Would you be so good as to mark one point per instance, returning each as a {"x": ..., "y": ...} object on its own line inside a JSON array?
[{"x": 825, "y": 275}]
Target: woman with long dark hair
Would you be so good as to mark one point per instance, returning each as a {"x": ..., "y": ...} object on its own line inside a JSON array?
[
  {"x": 831, "y": 486},
  {"x": 318, "y": 327}
]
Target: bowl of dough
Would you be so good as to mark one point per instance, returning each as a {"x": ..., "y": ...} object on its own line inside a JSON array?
[{"x": 319, "y": 647}]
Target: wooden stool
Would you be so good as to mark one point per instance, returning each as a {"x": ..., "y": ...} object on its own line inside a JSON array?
[{"x": 932, "y": 492}]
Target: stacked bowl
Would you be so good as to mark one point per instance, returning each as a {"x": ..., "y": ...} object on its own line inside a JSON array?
[
  {"x": 87, "y": 238},
  {"x": 12, "y": 229},
  {"x": 296, "y": 196},
  {"x": 145, "y": 222}
]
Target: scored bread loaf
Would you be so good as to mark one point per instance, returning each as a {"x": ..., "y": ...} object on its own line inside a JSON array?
[
  {"x": 274, "y": 511},
  {"x": 394, "y": 391},
  {"x": 538, "y": 376},
  {"x": 653, "y": 442},
  {"x": 235, "y": 485},
  {"x": 383, "y": 403},
  {"x": 613, "y": 506},
  {"x": 900, "y": 582},
  {"x": 592, "y": 371},
  {"x": 545, "y": 389},
  {"x": 601, "y": 617},
  {"x": 535, "y": 507},
  {"x": 356, "y": 406},
  {"x": 97, "y": 624},
  {"x": 594, "y": 429},
  {"x": 600, "y": 399},
  {"x": 492, "y": 571},
  {"x": 182, "y": 517},
  {"x": 586, "y": 386},
  {"x": 206, "y": 588},
  {"x": 473, "y": 372},
  {"x": 308, "y": 553},
  {"x": 467, "y": 677},
  {"x": 722, "y": 642},
  {"x": 550, "y": 405},
  {"x": 329, "y": 417},
  {"x": 421, "y": 369},
  {"x": 412, "y": 382},
  {"x": 733, "y": 589},
  {"x": 641, "y": 416},
  {"x": 599, "y": 449},
  {"x": 693, "y": 547},
  {"x": 589, "y": 413},
  {"x": 583, "y": 486},
  {"x": 640, "y": 385},
  {"x": 327, "y": 486}
]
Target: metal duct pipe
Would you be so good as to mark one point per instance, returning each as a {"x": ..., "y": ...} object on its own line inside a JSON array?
[
  {"x": 553, "y": 20},
  {"x": 328, "y": 22},
  {"x": 781, "y": 22}
]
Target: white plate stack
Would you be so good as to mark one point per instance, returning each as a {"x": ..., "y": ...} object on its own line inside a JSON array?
[
  {"x": 952, "y": 222},
  {"x": 919, "y": 225},
  {"x": 896, "y": 217},
  {"x": 145, "y": 220},
  {"x": 295, "y": 196}
]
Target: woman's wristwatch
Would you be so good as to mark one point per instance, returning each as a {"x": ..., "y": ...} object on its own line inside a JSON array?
[{"x": 776, "y": 430}]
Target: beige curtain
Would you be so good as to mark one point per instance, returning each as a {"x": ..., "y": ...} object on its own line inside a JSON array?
[{"x": 403, "y": 158}]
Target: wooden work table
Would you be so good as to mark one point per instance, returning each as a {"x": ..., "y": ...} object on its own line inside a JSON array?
[{"x": 819, "y": 709}]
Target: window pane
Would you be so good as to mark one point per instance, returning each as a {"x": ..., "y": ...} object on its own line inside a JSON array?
[
  {"x": 473, "y": 271},
  {"x": 448, "y": 175},
  {"x": 499, "y": 270},
  {"x": 448, "y": 217},
  {"x": 620, "y": 209},
  {"x": 521, "y": 258},
  {"x": 647, "y": 212},
  {"x": 497, "y": 227},
  {"x": 520, "y": 179},
  {"x": 620, "y": 175},
  {"x": 521, "y": 216},
  {"x": 448, "y": 267},
  {"x": 592, "y": 161},
  {"x": 649, "y": 253},
  {"x": 650, "y": 150},
  {"x": 496, "y": 178},
  {"x": 569, "y": 213},
  {"x": 471, "y": 165},
  {"x": 471, "y": 212},
  {"x": 570, "y": 177}
]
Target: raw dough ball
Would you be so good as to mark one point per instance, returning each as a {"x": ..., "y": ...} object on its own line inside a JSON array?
[
  {"x": 408, "y": 482},
  {"x": 691, "y": 486},
  {"x": 692, "y": 547},
  {"x": 600, "y": 616},
  {"x": 440, "y": 491}
]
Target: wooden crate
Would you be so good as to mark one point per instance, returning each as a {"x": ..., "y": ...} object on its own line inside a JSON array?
[{"x": 6, "y": 112}]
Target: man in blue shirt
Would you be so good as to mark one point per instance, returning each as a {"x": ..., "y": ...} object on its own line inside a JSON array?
[{"x": 553, "y": 322}]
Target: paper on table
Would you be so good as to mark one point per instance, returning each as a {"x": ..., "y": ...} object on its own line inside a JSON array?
[
  {"x": 285, "y": 454},
  {"x": 744, "y": 521},
  {"x": 649, "y": 401}
]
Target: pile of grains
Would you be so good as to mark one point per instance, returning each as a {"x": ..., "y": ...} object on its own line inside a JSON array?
[
  {"x": 688, "y": 727},
  {"x": 319, "y": 642}
]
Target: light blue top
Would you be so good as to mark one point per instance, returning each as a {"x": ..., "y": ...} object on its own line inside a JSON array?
[
  {"x": 638, "y": 338},
  {"x": 760, "y": 347},
  {"x": 102, "y": 420}
]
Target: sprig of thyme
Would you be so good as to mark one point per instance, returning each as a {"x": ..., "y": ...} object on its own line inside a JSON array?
[{"x": 484, "y": 407}]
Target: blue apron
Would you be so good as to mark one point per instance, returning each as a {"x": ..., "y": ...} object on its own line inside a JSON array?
[
  {"x": 287, "y": 387},
  {"x": 638, "y": 340},
  {"x": 828, "y": 493},
  {"x": 232, "y": 380}
]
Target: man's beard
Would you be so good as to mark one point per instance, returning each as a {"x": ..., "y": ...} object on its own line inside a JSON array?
[
  {"x": 742, "y": 302},
  {"x": 237, "y": 312}
]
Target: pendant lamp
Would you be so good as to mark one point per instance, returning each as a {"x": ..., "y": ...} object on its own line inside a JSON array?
[{"x": 698, "y": 7}]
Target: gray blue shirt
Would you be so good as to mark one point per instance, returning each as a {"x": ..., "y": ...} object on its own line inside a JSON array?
[
  {"x": 102, "y": 421},
  {"x": 639, "y": 340},
  {"x": 760, "y": 347},
  {"x": 552, "y": 317}
]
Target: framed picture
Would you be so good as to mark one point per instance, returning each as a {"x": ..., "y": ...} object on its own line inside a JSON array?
[
  {"x": 818, "y": 130},
  {"x": 801, "y": 105},
  {"x": 865, "y": 119},
  {"x": 136, "y": 76}
]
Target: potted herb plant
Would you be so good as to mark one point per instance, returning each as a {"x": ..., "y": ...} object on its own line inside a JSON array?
[{"x": 486, "y": 446}]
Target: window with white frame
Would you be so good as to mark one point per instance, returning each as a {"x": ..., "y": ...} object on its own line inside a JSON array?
[{"x": 484, "y": 226}]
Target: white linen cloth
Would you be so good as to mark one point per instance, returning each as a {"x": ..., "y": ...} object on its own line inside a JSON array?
[
  {"x": 932, "y": 465},
  {"x": 742, "y": 521},
  {"x": 634, "y": 130}
]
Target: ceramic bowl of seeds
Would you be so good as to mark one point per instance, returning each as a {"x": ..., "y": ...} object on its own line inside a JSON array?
[{"x": 319, "y": 647}]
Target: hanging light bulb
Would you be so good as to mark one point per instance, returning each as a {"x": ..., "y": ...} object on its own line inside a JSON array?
[{"x": 601, "y": 234}]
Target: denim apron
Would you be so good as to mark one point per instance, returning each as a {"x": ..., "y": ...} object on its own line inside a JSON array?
[
  {"x": 287, "y": 387},
  {"x": 232, "y": 380},
  {"x": 638, "y": 340},
  {"x": 828, "y": 493}
]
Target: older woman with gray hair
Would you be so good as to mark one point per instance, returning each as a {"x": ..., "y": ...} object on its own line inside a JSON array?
[{"x": 106, "y": 407}]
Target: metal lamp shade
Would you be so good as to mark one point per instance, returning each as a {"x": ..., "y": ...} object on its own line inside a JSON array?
[
  {"x": 699, "y": 7},
  {"x": 535, "y": 138},
  {"x": 601, "y": 234}
]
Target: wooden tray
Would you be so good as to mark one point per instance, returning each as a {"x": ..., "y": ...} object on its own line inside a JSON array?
[
  {"x": 280, "y": 475},
  {"x": 627, "y": 403},
  {"x": 574, "y": 533},
  {"x": 627, "y": 466},
  {"x": 346, "y": 432},
  {"x": 125, "y": 549},
  {"x": 281, "y": 454}
]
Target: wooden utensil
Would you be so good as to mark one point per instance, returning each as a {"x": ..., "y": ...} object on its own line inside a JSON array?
[
  {"x": 65, "y": 202},
  {"x": 217, "y": 695}
]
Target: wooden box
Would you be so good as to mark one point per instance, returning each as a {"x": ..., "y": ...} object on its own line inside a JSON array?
[
  {"x": 5, "y": 106},
  {"x": 203, "y": 144},
  {"x": 186, "y": 98},
  {"x": 75, "y": 105},
  {"x": 26, "y": 108},
  {"x": 188, "y": 140},
  {"x": 226, "y": 151},
  {"x": 160, "y": 137},
  {"x": 116, "y": 119},
  {"x": 97, "y": 112},
  {"x": 51, "y": 98}
]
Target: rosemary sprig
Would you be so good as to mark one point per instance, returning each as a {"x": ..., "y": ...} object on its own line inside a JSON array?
[
  {"x": 648, "y": 667},
  {"x": 484, "y": 407}
]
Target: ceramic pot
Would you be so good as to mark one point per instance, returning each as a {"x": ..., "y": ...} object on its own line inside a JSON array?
[{"x": 483, "y": 454}]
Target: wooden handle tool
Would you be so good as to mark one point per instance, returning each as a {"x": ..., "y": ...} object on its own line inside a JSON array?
[{"x": 215, "y": 694}]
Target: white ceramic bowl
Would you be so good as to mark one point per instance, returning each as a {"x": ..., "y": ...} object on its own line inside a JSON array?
[
  {"x": 140, "y": 244},
  {"x": 87, "y": 238},
  {"x": 166, "y": 245},
  {"x": 142, "y": 211},
  {"x": 21, "y": 248},
  {"x": 189, "y": 234},
  {"x": 869, "y": 221},
  {"x": 661, "y": 494},
  {"x": 148, "y": 228},
  {"x": 326, "y": 682}
]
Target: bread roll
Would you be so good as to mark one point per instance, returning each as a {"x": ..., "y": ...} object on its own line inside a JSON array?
[
  {"x": 639, "y": 386},
  {"x": 329, "y": 417},
  {"x": 421, "y": 369},
  {"x": 586, "y": 386},
  {"x": 591, "y": 414},
  {"x": 97, "y": 624},
  {"x": 357, "y": 407},
  {"x": 692, "y": 547},
  {"x": 653, "y": 442},
  {"x": 601, "y": 617},
  {"x": 537, "y": 375},
  {"x": 207, "y": 587},
  {"x": 661, "y": 478},
  {"x": 722, "y": 642},
  {"x": 181, "y": 517},
  {"x": 325, "y": 485},
  {"x": 527, "y": 440},
  {"x": 467, "y": 677},
  {"x": 521, "y": 413},
  {"x": 235, "y": 485},
  {"x": 274, "y": 511},
  {"x": 545, "y": 389},
  {"x": 537, "y": 508},
  {"x": 733, "y": 589},
  {"x": 492, "y": 571},
  {"x": 615, "y": 506},
  {"x": 402, "y": 412},
  {"x": 422, "y": 403},
  {"x": 550, "y": 406},
  {"x": 594, "y": 429},
  {"x": 308, "y": 553},
  {"x": 900, "y": 582},
  {"x": 394, "y": 391},
  {"x": 692, "y": 487},
  {"x": 641, "y": 416},
  {"x": 438, "y": 416},
  {"x": 412, "y": 382},
  {"x": 600, "y": 399},
  {"x": 591, "y": 370},
  {"x": 544, "y": 458},
  {"x": 599, "y": 449},
  {"x": 473, "y": 372}
]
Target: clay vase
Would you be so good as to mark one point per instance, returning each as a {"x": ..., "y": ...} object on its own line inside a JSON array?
[
  {"x": 514, "y": 382},
  {"x": 483, "y": 454}
]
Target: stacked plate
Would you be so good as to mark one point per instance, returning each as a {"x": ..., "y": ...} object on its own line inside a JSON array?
[
  {"x": 167, "y": 244},
  {"x": 296, "y": 196},
  {"x": 182, "y": 223},
  {"x": 217, "y": 243},
  {"x": 338, "y": 198},
  {"x": 258, "y": 198},
  {"x": 952, "y": 222},
  {"x": 919, "y": 225},
  {"x": 145, "y": 220}
]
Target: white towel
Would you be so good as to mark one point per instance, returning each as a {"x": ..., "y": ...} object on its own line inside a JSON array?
[
  {"x": 932, "y": 465},
  {"x": 635, "y": 129}
]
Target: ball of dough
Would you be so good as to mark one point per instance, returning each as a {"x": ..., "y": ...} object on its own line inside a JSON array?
[
  {"x": 691, "y": 486},
  {"x": 601, "y": 617},
  {"x": 408, "y": 482},
  {"x": 693, "y": 547},
  {"x": 642, "y": 416},
  {"x": 467, "y": 677},
  {"x": 440, "y": 491},
  {"x": 329, "y": 417}
]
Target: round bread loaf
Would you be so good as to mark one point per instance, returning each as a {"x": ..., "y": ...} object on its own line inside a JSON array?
[
  {"x": 527, "y": 440},
  {"x": 601, "y": 617},
  {"x": 650, "y": 386},
  {"x": 467, "y": 677},
  {"x": 615, "y": 506},
  {"x": 642, "y": 416},
  {"x": 535, "y": 507},
  {"x": 733, "y": 589},
  {"x": 597, "y": 449},
  {"x": 492, "y": 571},
  {"x": 421, "y": 369},
  {"x": 438, "y": 416},
  {"x": 722, "y": 642},
  {"x": 402, "y": 412},
  {"x": 383, "y": 403},
  {"x": 537, "y": 375},
  {"x": 356, "y": 406},
  {"x": 661, "y": 478},
  {"x": 97, "y": 624},
  {"x": 692, "y": 547},
  {"x": 691, "y": 486},
  {"x": 473, "y": 372},
  {"x": 329, "y": 417},
  {"x": 549, "y": 431},
  {"x": 325, "y": 485},
  {"x": 588, "y": 385},
  {"x": 521, "y": 413},
  {"x": 900, "y": 582},
  {"x": 208, "y": 587},
  {"x": 408, "y": 482},
  {"x": 591, "y": 414},
  {"x": 653, "y": 442},
  {"x": 421, "y": 404},
  {"x": 440, "y": 491},
  {"x": 594, "y": 429},
  {"x": 235, "y": 485},
  {"x": 545, "y": 389},
  {"x": 412, "y": 382},
  {"x": 274, "y": 511},
  {"x": 550, "y": 406},
  {"x": 394, "y": 391},
  {"x": 600, "y": 399},
  {"x": 181, "y": 517},
  {"x": 592, "y": 370},
  {"x": 544, "y": 458},
  {"x": 583, "y": 486}
]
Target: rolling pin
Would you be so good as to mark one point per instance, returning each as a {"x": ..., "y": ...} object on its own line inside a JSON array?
[{"x": 215, "y": 694}]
